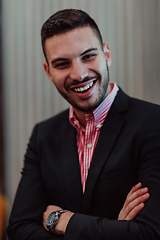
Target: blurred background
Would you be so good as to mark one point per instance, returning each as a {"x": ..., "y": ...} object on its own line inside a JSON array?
[{"x": 132, "y": 30}]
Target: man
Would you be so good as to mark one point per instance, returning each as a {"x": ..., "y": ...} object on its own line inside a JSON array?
[{"x": 81, "y": 164}]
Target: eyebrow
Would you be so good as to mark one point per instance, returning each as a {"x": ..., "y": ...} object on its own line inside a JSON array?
[
  {"x": 65, "y": 59},
  {"x": 89, "y": 50}
]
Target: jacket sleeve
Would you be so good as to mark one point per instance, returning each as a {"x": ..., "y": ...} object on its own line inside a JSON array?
[
  {"x": 146, "y": 225},
  {"x": 26, "y": 217}
]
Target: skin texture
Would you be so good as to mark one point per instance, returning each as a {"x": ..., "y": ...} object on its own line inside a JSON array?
[{"x": 78, "y": 67}]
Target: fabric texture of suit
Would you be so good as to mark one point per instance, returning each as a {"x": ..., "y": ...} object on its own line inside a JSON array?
[{"x": 127, "y": 151}]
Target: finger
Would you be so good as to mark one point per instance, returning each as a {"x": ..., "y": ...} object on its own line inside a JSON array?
[
  {"x": 134, "y": 195},
  {"x": 135, "y": 203},
  {"x": 130, "y": 212},
  {"x": 135, "y": 211},
  {"x": 134, "y": 189},
  {"x": 131, "y": 205}
]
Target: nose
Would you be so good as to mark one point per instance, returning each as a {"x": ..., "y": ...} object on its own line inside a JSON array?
[{"x": 78, "y": 71}]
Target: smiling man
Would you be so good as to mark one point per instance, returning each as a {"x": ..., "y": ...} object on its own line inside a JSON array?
[
  {"x": 81, "y": 75},
  {"x": 81, "y": 164}
]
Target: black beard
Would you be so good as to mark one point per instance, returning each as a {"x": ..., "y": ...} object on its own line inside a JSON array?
[{"x": 102, "y": 96}]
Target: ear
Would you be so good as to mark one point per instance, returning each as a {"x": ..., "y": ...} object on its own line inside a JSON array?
[
  {"x": 107, "y": 53},
  {"x": 46, "y": 69}
]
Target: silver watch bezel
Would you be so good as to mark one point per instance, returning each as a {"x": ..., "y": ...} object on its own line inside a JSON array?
[{"x": 52, "y": 219}]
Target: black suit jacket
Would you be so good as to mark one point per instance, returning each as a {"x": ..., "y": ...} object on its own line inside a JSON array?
[{"x": 127, "y": 151}]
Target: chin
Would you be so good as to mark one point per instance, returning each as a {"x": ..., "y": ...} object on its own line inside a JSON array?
[{"x": 88, "y": 107}]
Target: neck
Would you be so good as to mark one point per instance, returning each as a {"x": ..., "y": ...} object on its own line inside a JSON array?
[{"x": 80, "y": 116}]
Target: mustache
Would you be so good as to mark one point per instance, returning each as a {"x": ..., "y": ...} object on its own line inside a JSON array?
[{"x": 85, "y": 79}]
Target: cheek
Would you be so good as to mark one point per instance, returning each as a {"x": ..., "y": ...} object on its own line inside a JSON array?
[
  {"x": 101, "y": 66},
  {"x": 61, "y": 83},
  {"x": 57, "y": 79}
]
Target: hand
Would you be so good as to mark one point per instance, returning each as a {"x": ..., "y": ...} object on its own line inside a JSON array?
[
  {"x": 63, "y": 221},
  {"x": 134, "y": 202}
]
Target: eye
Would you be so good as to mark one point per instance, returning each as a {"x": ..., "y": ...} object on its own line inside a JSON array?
[
  {"x": 61, "y": 65},
  {"x": 89, "y": 57}
]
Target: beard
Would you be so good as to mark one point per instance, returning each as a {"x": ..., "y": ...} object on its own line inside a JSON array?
[{"x": 90, "y": 107}]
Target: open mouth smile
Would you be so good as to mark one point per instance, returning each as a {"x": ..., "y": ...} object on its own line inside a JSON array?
[{"x": 83, "y": 87}]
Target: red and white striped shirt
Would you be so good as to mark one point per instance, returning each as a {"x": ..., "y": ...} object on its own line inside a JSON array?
[{"x": 87, "y": 137}]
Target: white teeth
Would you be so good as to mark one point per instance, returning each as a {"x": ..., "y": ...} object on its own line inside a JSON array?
[{"x": 84, "y": 88}]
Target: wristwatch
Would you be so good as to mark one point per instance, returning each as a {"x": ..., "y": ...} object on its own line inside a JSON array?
[{"x": 52, "y": 220}]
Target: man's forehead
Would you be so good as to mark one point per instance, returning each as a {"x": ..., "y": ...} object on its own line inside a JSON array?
[
  {"x": 81, "y": 33},
  {"x": 73, "y": 42}
]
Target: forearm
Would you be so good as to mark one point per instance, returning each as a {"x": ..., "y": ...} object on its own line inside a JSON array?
[
  {"x": 30, "y": 231},
  {"x": 88, "y": 228},
  {"x": 133, "y": 204}
]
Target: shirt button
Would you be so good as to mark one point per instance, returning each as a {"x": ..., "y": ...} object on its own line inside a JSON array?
[
  {"x": 89, "y": 145},
  {"x": 99, "y": 125},
  {"x": 75, "y": 122}
]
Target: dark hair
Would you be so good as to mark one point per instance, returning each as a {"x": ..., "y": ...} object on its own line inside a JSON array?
[{"x": 67, "y": 20}]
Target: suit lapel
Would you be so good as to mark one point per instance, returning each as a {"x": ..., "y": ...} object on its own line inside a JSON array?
[
  {"x": 71, "y": 169},
  {"x": 108, "y": 135}
]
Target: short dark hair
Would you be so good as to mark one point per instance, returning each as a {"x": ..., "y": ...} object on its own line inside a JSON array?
[{"x": 67, "y": 20}]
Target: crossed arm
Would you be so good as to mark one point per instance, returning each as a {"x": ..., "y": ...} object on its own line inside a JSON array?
[{"x": 133, "y": 205}]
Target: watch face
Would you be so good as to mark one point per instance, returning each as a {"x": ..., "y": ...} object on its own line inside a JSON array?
[{"x": 51, "y": 220}]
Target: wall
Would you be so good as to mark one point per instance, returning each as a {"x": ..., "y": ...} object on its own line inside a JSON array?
[{"x": 131, "y": 28}]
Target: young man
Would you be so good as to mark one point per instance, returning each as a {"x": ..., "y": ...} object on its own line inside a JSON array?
[{"x": 81, "y": 164}]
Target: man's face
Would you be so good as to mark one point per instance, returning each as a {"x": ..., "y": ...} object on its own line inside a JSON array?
[{"x": 78, "y": 67}]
